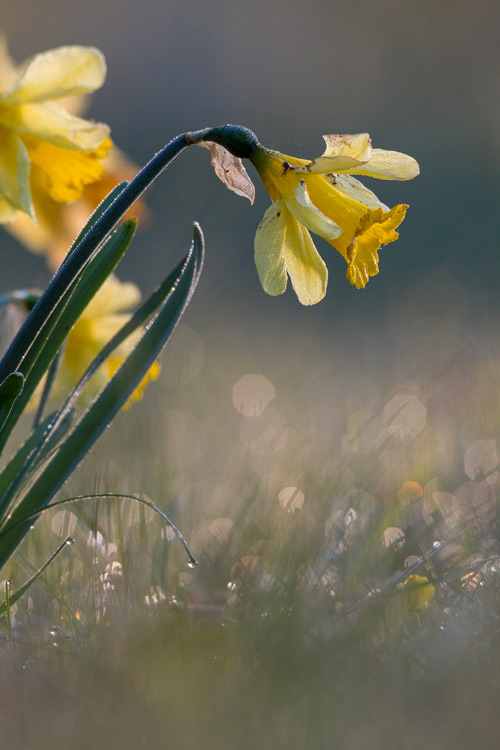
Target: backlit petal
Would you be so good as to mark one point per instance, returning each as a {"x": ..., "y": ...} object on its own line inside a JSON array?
[
  {"x": 269, "y": 250},
  {"x": 283, "y": 245},
  {"x": 388, "y": 165},
  {"x": 355, "y": 190},
  {"x": 333, "y": 164},
  {"x": 52, "y": 123},
  {"x": 61, "y": 72},
  {"x": 358, "y": 146},
  {"x": 304, "y": 264},
  {"x": 300, "y": 205}
]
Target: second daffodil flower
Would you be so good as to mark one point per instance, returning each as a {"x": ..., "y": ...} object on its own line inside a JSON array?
[
  {"x": 39, "y": 136},
  {"x": 323, "y": 197},
  {"x": 106, "y": 313}
]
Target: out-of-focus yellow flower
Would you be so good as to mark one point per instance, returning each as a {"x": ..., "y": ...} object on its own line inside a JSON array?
[
  {"x": 39, "y": 139},
  {"x": 321, "y": 196},
  {"x": 58, "y": 224},
  {"x": 419, "y": 591},
  {"x": 103, "y": 317}
]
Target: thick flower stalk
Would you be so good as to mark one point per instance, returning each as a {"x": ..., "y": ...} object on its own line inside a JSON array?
[
  {"x": 323, "y": 197},
  {"x": 40, "y": 141}
]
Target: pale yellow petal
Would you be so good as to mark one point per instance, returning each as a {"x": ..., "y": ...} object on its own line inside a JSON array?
[
  {"x": 333, "y": 165},
  {"x": 300, "y": 205},
  {"x": 306, "y": 268},
  {"x": 61, "y": 72},
  {"x": 342, "y": 152},
  {"x": 114, "y": 296},
  {"x": 269, "y": 249},
  {"x": 283, "y": 245},
  {"x": 388, "y": 165},
  {"x": 358, "y": 146},
  {"x": 52, "y": 123},
  {"x": 8, "y": 71},
  {"x": 356, "y": 190},
  {"x": 14, "y": 172}
]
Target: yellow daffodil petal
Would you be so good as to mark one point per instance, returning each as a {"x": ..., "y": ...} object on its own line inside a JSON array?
[
  {"x": 304, "y": 264},
  {"x": 300, "y": 205},
  {"x": 66, "y": 172},
  {"x": 8, "y": 71},
  {"x": 114, "y": 363},
  {"x": 388, "y": 165},
  {"x": 283, "y": 245},
  {"x": 61, "y": 72},
  {"x": 358, "y": 146},
  {"x": 114, "y": 296},
  {"x": 355, "y": 190},
  {"x": 375, "y": 229},
  {"x": 7, "y": 211},
  {"x": 52, "y": 123},
  {"x": 342, "y": 152},
  {"x": 14, "y": 172},
  {"x": 269, "y": 250},
  {"x": 333, "y": 165}
]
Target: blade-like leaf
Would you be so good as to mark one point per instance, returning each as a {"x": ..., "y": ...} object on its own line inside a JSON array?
[
  {"x": 65, "y": 314},
  {"x": 117, "y": 391},
  {"x": 10, "y": 390},
  {"x": 28, "y": 456}
]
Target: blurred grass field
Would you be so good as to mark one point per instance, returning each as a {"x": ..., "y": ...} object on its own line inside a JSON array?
[{"x": 345, "y": 518}]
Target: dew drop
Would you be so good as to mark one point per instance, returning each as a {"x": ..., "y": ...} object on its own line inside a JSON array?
[
  {"x": 69, "y": 541},
  {"x": 192, "y": 563},
  {"x": 436, "y": 545}
]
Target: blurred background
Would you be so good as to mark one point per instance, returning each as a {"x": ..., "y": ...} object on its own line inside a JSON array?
[
  {"x": 271, "y": 419},
  {"x": 420, "y": 77}
]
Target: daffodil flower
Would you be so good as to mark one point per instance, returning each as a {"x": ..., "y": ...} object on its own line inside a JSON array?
[
  {"x": 38, "y": 134},
  {"x": 107, "y": 312},
  {"x": 58, "y": 223},
  {"x": 323, "y": 197}
]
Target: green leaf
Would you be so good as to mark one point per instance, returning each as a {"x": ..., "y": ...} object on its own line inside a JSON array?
[
  {"x": 33, "y": 451},
  {"x": 53, "y": 331},
  {"x": 10, "y": 389},
  {"x": 110, "y": 400}
]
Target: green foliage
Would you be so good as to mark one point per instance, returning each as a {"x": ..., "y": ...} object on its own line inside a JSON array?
[{"x": 57, "y": 444}]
